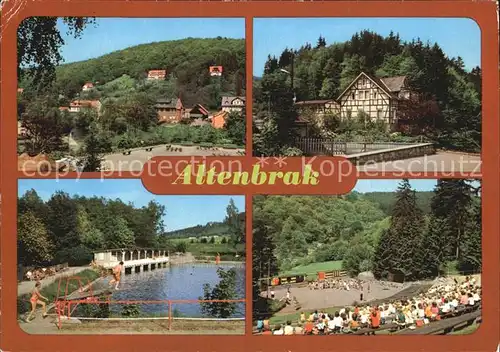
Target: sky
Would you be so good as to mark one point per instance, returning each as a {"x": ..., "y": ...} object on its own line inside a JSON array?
[
  {"x": 111, "y": 34},
  {"x": 456, "y": 36},
  {"x": 181, "y": 211}
]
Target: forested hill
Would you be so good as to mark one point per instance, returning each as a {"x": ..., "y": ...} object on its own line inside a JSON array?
[
  {"x": 218, "y": 228},
  {"x": 386, "y": 200},
  {"x": 450, "y": 104},
  {"x": 290, "y": 231},
  {"x": 186, "y": 61}
]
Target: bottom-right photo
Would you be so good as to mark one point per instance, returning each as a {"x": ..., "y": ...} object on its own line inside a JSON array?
[{"x": 392, "y": 257}]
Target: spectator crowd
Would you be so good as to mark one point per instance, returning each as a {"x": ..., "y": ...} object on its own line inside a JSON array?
[{"x": 443, "y": 299}]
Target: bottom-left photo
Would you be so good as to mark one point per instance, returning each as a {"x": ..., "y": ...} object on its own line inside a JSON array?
[{"x": 108, "y": 257}]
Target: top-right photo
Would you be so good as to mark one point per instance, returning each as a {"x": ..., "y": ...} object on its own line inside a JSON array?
[{"x": 389, "y": 94}]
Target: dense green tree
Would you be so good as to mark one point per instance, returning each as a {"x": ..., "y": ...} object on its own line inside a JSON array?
[
  {"x": 90, "y": 236},
  {"x": 434, "y": 247},
  {"x": 224, "y": 290},
  {"x": 321, "y": 42},
  {"x": 45, "y": 126},
  {"x": 470, "y": 260},
  {"x": 70, "y": 228},
  {"x": 34, "y": 246},
  {"x": 383, "y": 261},
  {"x": 84, "y": 119},
  {"x": 264, "y": 261},
  {"x": 235, "y": 126},
  {"x": 118, "y": 234},
  {"x": 407, "y": 227},
  {"x": 352, "y": 66},
  {"x": 236, "y": 227},
  {"x": 38, "y": 46},
  {"x": 33, "y": 203},
  {"x": 95, "y": 146},
  {"x": 358, "y": 258},
  {"x": 62, "y": 221},
  {"x": 451, "y": 203}
]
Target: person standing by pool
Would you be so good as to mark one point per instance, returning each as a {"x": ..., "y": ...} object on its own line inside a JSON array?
[
  {"x": 36, "y": 299},
  {"x": 217, "y": 259},
  {"x": 117, "y": 271}
]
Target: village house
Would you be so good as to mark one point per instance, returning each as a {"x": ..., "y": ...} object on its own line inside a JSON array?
[
  {"x": 157, "y": 75},
  {"x": 380, "y": 99},
  {"x": 197, "y": 112},
  {"x": 78, "y": 105},
  {"x": 215, "y": 71},
  {"x": 236, "y": 104},
  {"x": 219, "y": 119},
  {"x": 170, "y": 110},
  {"x": 317, "y": 108},
  {"x": 87, "y": 86},
  {"x": 21, "y": 131},
  {"x": 314, "y": 111}
]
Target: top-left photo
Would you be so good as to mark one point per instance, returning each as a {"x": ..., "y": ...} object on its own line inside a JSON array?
[{"x": 108, "y": 94}]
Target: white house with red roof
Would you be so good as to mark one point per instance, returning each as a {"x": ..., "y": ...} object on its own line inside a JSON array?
[{"x": 87, "y": 86}]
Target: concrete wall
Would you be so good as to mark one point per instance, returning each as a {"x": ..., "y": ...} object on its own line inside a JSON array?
[{"x": 399, "y": 153}]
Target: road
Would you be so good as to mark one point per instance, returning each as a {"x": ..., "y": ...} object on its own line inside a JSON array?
[{"x": 138, "y": 157}]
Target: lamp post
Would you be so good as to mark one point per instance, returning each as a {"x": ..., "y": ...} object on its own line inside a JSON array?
[{"x": 291, "y": 80}]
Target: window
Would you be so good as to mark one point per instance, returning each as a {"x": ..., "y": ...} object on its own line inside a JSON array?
[
  {"x": 379, "y": 114},
  {"x": 363, "y": 94},
  {"x": 374, "y": 95},
  {"x": 353, "y": 96}
]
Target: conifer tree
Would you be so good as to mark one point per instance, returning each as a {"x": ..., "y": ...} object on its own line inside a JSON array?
[
  {"x": 383, "y": 257},
  {"x": 451, "y": 203},
  {"x": 470, "y": 259},
  {"x": 405, "y": 234}
]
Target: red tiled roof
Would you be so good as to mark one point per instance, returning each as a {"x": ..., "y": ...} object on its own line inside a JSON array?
[
  {"x": 91, "y": 103},
  {"x": 157, "y": 73}
]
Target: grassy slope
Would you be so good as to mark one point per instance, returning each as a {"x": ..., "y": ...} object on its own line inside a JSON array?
[{"x": 314, "y": 268}]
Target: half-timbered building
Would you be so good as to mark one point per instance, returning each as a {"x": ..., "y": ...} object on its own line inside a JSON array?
[{"x": 380, "y": 99}]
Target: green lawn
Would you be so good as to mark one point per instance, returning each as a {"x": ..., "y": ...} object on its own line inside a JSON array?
[
  {"x": 214, "y": 248},
  {"x": 312, "y": 269},
  {"x": 226, "y": 250}
]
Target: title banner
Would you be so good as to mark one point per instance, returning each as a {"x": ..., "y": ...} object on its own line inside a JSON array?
[{"x": 269, "y": 175}]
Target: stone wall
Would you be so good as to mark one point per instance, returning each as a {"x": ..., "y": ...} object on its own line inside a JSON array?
[{"x": 399, "y": 153}]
